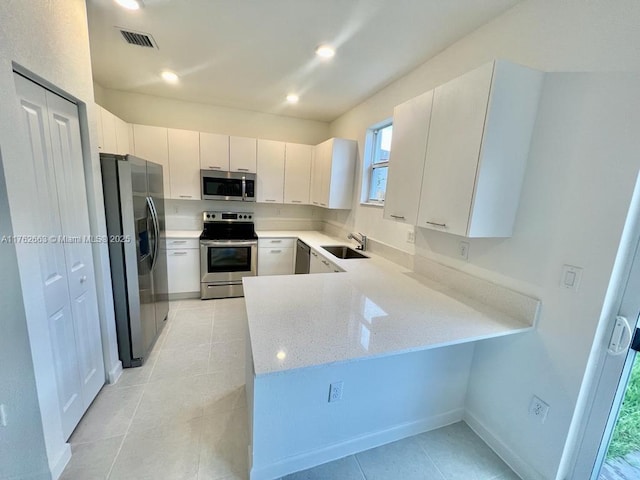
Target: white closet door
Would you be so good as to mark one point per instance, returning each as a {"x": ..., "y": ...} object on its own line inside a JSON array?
[
  {"x": 72, "y": 316},
  {"x": 72, "y": 201}
]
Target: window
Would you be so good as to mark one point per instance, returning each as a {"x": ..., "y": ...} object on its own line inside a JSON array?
[{"x": 378, "y": 163}]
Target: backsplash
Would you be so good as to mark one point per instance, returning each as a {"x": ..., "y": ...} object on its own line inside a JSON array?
[{"x": 187, "y": 214}]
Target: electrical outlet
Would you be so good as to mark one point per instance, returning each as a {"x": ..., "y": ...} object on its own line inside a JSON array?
[
  {"x": 411, "y": 236},
  {"x": 463, "y": 250},
  {"x": 538, "y": 409},
  {"x": 3, "y": 416},
  {"x": 335, "y": 391}
]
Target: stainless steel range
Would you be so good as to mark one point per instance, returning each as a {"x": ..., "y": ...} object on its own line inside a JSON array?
[{"x": 228, "y": 252}]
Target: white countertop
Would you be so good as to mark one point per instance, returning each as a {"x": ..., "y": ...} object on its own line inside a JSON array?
[{"x": 374, "y": 308}]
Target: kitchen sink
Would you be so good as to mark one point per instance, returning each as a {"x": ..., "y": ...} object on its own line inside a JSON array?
[{"x": 343, "y": 251}]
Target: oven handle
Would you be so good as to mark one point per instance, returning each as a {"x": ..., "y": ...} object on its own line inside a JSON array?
[
  {"x": 227, "y": 243},
  {"x": 244, "y": 188}
]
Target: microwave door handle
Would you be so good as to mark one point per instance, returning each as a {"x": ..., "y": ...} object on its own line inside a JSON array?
[{"x": 244, "y": 188}]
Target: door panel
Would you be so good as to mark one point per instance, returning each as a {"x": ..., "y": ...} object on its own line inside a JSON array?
[{"x": 72, "y": 200}]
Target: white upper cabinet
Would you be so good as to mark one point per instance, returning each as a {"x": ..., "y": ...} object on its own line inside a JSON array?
[
  {"x": 406, "y": 164},
  {"x": 109, "y": 139},
  {"x": 297, "y": 173},
  {"x": 333, "y": 173},
  {"x": 242, "y": 154},
  {"x": 270, "y": 172},
  {"x": 214, "y": 152},
  {"x": 122, "y": 137},
  {"x": 184, "y": 164},
  {"x": 150, "y": 143},
  {"x": 481, "y": 127}
]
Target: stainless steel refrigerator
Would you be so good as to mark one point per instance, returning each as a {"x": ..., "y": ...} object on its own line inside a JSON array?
[{"x": 134, "y": 207}]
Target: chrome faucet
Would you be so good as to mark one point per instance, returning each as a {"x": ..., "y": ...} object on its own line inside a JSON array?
[{"x": 362, "y": 240}]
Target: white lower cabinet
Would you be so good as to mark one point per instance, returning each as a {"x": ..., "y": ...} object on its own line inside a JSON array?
[
  {"x": 183, "y": 266},
  {"x": 319, "y": 264},
  {"x": 276, "y": 256}
]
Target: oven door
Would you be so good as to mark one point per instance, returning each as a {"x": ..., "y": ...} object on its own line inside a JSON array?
[{"x": 227, "y": 261}]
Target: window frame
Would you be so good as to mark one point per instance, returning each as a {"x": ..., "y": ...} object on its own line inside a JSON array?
[{"x": 371, "y": 163}]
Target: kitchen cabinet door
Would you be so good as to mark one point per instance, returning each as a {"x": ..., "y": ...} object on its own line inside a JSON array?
[
  {"x": 242, "y": 154},
  {"x": 481, "y": 127},
  {"x": 276, "y": 259},
  {"x": 406, "y": 164},
  {"x": 98, "y": 114},
  {"x": 315, "y": 189},
  {"x": 183, "y": 268},
  {"x": 122, "y": 137},
  {"x": 184, "y": 164},
  {"x": 297, "y": 173},
  {"x": 315, "y": 263},
  {"x": 337, "y": 160},
  {"x": 214, "y": 151},
  {"x": 151, "y": 143},
  {"x": 270, "y": 171},
  {"x": 109, "y": 139}
]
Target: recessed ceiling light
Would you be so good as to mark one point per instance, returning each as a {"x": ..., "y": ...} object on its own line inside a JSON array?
[
  {"x": 169, "y": 77},
  {"x": 325, "y": 51},
  {"x": 292, "y": 98},
  {"x": 129, "y": 4}
]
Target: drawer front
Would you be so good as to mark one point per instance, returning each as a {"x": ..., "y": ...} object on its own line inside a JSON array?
[
  {"x": 183, "y": 270},
  {"x": 277, "y": 242},
  {"x": 183, "y": 243},
  {"x": 275, "y": 261}
]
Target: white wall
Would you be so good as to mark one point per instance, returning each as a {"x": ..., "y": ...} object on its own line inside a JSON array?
[
  {"x": 49, "y": 39},
  {"x": 187, "y": 214},
  {"x": 384, "y": 399},
  {"x": 22, "y": 450},
  {"x": 165, "y": 112},
  {"x": 583, "y": 164}
]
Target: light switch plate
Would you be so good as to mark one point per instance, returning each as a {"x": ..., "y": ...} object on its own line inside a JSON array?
[{"x": 571, "y": 277}]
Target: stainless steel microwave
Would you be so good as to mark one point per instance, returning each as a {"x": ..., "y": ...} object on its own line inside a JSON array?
[{"x": 228, "y": 186}]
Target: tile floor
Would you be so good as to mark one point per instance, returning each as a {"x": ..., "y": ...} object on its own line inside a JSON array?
[{"x": 183, "y": 416}]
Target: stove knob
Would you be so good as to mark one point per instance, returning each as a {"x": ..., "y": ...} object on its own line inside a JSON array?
[
  {"x": 249, "y": 217},
  {"x": 208, "y": 216},
  {"x": 245, "y": 216},
  {"x": 213, "y": 216}
]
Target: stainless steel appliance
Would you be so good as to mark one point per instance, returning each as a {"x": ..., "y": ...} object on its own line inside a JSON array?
[
  {"x": 228, "y": 186},
  {"x": 134, "y": 207},
  {"x": 303, "y": 257},
  {"x": 228, "y": 252}
]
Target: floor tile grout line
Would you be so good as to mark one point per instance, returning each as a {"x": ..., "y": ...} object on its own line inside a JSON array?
[
  {"x": 355, "y": 456},
  {"x": 444, "y": 477}
]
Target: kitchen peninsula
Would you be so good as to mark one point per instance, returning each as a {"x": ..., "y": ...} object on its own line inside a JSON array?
[{"x": 372, "y": 335}]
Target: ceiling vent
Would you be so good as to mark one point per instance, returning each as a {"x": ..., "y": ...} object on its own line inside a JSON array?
[{"x": 138, "y": 38}]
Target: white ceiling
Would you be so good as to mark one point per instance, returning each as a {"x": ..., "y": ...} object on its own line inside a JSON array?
[{"x": 250, "y": 54}]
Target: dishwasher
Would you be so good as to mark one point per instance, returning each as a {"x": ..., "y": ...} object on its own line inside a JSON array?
[{"x": 303, "y": 254}]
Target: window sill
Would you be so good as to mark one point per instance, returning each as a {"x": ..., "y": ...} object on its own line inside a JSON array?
[{"x": 372, "y": 204}]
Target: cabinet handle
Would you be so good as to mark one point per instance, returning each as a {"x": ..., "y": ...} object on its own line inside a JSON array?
[
  {"x": 443, "y": 225},
  {"x": 214, "y": 168},
  {"x": 325, "y": 262},
  {"x": 243, "y": 169},
  {"x": 315, "y": 203},
  {"x": 314, "y": 254},
  {"x": 296, "y": 201},
  {"x": 323, "y": 204},
  {"x": 275, "y": 241},
  {"x": 336, "y": 271},
  {"x": 178, "y": 253},
  {"x": 186, "y": 196},
  {"x": 176, "y": 242},
  {"x": 399, "y": 217},
  {"x": 276, "y": 251},
  {"x": 268, "y": 200}
]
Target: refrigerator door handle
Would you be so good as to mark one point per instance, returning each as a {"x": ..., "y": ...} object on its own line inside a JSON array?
[{"x": 156, "y": 232}]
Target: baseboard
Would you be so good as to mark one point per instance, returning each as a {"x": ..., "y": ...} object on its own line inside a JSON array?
[
  {"x": 508, "y": 456},
  {"x": 184, "y": 295},
  {"x": 59, "y": 465},
  {"x": 354, "y": 445},
  {"x": 114, "y": 373}
]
